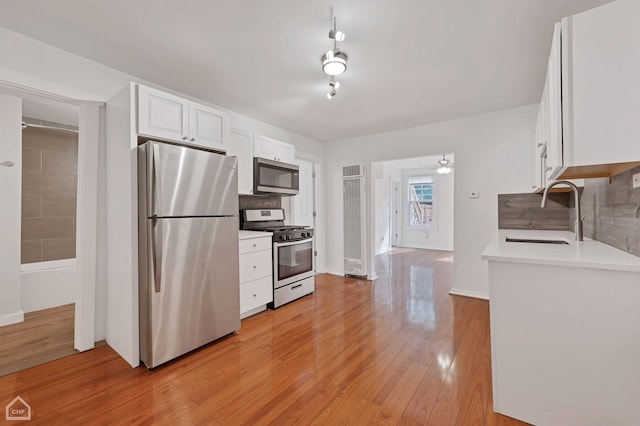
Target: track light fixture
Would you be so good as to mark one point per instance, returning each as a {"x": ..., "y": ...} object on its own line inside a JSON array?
[
  {"x": 336, "y": 35},
  {"x": 334, "y": 61},
  {"x": 333, "y": 87}
]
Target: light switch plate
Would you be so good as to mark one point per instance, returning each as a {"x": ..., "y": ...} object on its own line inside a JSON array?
[{"x": 636, "y": 180}]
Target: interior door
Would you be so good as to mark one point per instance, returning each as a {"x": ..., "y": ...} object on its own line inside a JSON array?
[
  {"x": 10, "y": 208},
  {"x": 304, "y": 202},
  {"x": 396, "y": 201}
]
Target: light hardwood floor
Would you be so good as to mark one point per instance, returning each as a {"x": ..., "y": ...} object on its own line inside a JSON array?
[
  {"x": 399, "y": 350},
  {"x": 44, "y": 336}
]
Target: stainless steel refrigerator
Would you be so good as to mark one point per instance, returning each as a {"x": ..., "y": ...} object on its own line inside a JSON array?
[{"x": 188, "y": 249}]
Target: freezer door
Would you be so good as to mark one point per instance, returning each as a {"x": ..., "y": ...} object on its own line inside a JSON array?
[
  {"x": 192, "y": 286},
  {"x": 185, "y": 182}
]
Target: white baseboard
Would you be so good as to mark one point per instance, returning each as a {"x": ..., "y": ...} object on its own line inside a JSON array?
[
  {"x": 341, "y": 274},
  {"x": 253, "y": 311},
  {"x": 416, "y": 246},
  {"x": 469, "y": 293},
  {"x": 13, "y": 318}
]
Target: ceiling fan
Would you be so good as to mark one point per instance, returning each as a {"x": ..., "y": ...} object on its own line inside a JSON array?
[{"x": 443, "y": 166}]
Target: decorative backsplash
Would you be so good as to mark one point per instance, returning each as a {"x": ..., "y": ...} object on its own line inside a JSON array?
[
  {"x": 523, "y": 211},
  {"x": 259, "y": 202},
  {"x": 610, "y": 206},
  {"x": 611, "y": 210}
]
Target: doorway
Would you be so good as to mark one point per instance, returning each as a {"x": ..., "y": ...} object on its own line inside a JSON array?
[
  {"x": 303, "y": 206},
  {"x": 48, "y": 224}
]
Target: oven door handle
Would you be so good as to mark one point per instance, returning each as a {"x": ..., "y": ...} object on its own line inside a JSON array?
[{"x": 292, "y": 243}]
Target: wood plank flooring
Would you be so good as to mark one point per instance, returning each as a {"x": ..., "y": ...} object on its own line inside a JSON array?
[
  {"x": 399, "y": 350},
  {"x": 44, "y": 336}
]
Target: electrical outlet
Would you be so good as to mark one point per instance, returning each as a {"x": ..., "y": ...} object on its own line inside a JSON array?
[
  {"x": 473, "y": 194},
  {"x": 636, "y": 181}
]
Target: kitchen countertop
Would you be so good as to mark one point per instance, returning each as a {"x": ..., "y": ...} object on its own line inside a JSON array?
[
  {"x": 244, "y": 235},
  {"x": 588, "y": 254}
]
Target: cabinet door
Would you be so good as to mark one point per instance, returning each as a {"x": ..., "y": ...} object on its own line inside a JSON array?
[
  {"x": 286, "y": 152},
  {"x": 208, "y": 127},
  {"x": 255, "y": 293},
  {"x": 241, "y": 146},
  {"x": 554, "y": 163},
  {"x": 604, "y": 45},
  {"x": 265, "y": 147},
  {"x": 162, "y": 115}
]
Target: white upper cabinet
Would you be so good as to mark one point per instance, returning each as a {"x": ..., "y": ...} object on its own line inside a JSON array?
[
  {"x": 602, "y": 122},
  {"x": 166, "y": 116},
  {"x": 207, "y": 126},
  {"x": 162, "y": 115},
  {"x": 553, "y": 161},
  {"x": 588, "y": 119},
  {"x": 241, "y": 146},
  {"x": 273, "y": 149}
]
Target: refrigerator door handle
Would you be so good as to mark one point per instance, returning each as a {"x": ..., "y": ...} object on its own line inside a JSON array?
[
  {"x": 155, "y": 182},
  {"x": 156, "y": 253}
]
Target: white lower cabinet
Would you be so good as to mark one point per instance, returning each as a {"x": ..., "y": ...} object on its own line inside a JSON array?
[
  {"x": 256, "y": 277},
  {"x": 565, "y": 344}
]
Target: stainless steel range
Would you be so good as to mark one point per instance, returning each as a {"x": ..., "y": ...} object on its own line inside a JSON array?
[{"x": 293, "y": 260}]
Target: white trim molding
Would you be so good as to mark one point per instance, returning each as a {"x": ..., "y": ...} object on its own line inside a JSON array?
[
  {"x": 13, "y": 318},
  {"x": 469, "y": 293},
  {"x": 87, "y": 224}
]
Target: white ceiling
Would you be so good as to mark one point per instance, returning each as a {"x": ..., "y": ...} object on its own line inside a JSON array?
[{"x": 411, "y": 62}]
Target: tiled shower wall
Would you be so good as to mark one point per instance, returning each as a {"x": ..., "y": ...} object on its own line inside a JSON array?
[{"x": 49, "y": 182}]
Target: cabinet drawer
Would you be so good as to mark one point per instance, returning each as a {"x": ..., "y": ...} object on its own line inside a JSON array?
[
  {"x": 255, "y": 244},
  {"x": 255, "y": 265},
  {"x": 255, "y": 293}
]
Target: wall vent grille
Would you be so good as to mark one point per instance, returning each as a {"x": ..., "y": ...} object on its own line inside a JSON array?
[{"x": 353, "y": 185}]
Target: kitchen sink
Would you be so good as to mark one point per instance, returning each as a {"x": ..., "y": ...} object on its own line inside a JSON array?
[{"x": 537, "y": 240}]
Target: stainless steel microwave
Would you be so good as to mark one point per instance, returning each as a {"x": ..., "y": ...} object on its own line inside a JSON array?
[{"x": 275, "y": 177}]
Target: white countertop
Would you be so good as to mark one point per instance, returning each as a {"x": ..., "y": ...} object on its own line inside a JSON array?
[
  {"x": 245, "y": 235},
  {"x": 579, "y": 254}
]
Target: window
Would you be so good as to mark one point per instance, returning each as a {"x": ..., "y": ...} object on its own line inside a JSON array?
[{"x": 420, "y": 199}]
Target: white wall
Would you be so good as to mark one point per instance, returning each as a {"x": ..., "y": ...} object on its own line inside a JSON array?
[
  {"x": 492, "y": 155},
  {"x": 440, "y": 235}
]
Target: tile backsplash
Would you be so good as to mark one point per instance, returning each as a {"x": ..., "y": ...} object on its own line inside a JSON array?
[
  {"x": 49, "y": 182},
  {"x": 610, "y": 206},
  {"x": 611, "y": 210}
]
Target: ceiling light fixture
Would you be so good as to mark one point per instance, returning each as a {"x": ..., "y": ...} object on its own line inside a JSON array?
[
  {"x": 333, "y": 87},
  {"x": 335, "y": 34},
  {"x": 334, "y": 61},
  {"x": 444, "y": 166}
]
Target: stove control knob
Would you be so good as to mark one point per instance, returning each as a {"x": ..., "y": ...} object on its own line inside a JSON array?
[{"x": 283, "y": 237}]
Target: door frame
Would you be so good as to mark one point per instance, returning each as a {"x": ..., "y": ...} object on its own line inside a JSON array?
[
  {"x": 90, "y": 137},
  {"x": 318, "y": 201},
  {"x": 396, "y": 213}
]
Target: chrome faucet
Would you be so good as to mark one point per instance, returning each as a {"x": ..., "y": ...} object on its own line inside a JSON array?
[{"x": 576, "y": 194}]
